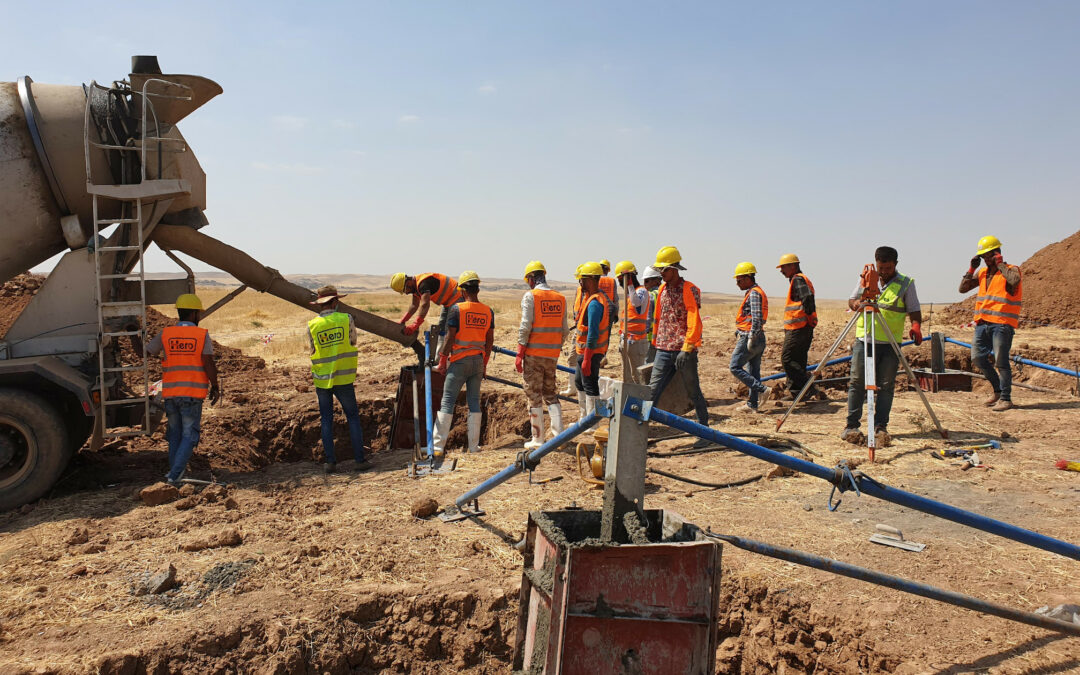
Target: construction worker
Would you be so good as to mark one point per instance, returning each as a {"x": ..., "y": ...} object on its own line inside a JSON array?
[
  {"x": 463, "y": 359},
  {"x": 652, "y": 280},
  {"x": 634, "y": 327},
  {"x": 750, "y": 336},
  {"x": 997, "y": 315},
  {"x": 896, "y": 301},
  {"x": 332, "y": 340},
  {"x": 188, "y": 377},
  {"x": 610, "y": 288},
  {"x": 800, "y": 318},
  {"x": 593, "y": 335},
  {"x": 677, "y": 327},
  {"x": 540, "y": 338},
  {"x": 426, "y": 289},
  {"x": 571, "y": 356}
]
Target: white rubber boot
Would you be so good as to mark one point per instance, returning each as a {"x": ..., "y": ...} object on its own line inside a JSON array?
[
  {"x": 536, "y": 422},
  {"x": 474, "y": 431},
  {"x": 439, "y": 434},
  {"x": 571, "y": 384},
  {"x": 555, "y": 412},
  {"x": 581, "y": 404},
  {"x": 590, "y": 404}
]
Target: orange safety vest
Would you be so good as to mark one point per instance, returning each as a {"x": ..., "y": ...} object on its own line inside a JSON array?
[
  {"x": 607, "y": 286},
  {"x": 693, "y": 332},
  {"x": 994, "y": 304},
  {"x": 446, "y": 294},
  {"x": 474, "y": 320},
  {"x": 634, "y": 324},
  {"x": 545, "y": 339},
  {"x": 182, "y": 370},
  {"x": 794, "y": 316},
  {"x": 583, "y": 326},
  {"x": 742, "y": 319}
]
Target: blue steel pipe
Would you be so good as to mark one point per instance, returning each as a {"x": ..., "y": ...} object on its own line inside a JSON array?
[
  {"x": 864, "y": 484},
  {"x": 842, "y": 359},
  {"x": 531, "y": 459},
  {"x": 1026, "y": 362},
  {"x": 427, "y": 394},
  {"x": 899, "y": 583},
  {"x": 510, "y": 352}
]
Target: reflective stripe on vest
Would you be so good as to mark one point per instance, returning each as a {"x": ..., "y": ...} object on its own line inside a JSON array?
[
  {"x": 446, "y": 294},
  {"x": 893, "y": 310},
  {"x": 583, "y": 326},
  {"x": 634, "y": 323},
  {"x": 743, "y": 321},
  {"x": 334, "y": 360},
  {"x": 182, "y": 370},
  {"x": 474, "y": 320},
  {"x": 549, "y": 310},
  {"x": 994, "y": 304},
  {"x": 794, "y": 316}
]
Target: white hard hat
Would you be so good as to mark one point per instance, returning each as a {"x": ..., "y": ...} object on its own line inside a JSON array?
[{"x": 652, "y": 273}]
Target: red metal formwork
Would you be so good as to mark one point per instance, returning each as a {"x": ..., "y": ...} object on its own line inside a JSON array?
[{"x": 631, "y": 608}]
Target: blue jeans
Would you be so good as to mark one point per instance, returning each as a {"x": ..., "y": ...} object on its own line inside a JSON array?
[
  {"x": 885, "y": 366},
  {"x": 996, "y": 338},
  {"x": 664, "y": 369},
  {"x": 749, "y": 350},
  {"x": 467, "y": 372},
  {"x": 182, "y": 433},
  {"x": 346, "y": 396}
]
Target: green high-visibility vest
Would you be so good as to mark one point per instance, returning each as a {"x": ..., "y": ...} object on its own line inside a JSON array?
[
  {"x": 334, "y": 360},
  {"x": 893, "y": 310}
]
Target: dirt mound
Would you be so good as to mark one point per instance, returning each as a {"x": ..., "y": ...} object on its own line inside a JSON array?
[
  {"x": 1049, "y": 279},
  {"x": 16, "y": 295}
]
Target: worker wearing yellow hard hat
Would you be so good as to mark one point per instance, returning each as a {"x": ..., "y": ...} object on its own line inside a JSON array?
[
  {"x": 750, "y": 337},
  {"x": 426, "y": 289},
  {"x": 800, "y": 318},
  {"x": 540, "y": 339},
  {"x": 634, "y": 326},
  {"x": 189, "y": 376},
  {"x": 593, "y": 335},
  {"x": 610, "y": 288},
  {"x": 463, "y": 358},
  {"x": 997, "y": 316},
  {"x": 571, "y": 354},
  {"x": 677, "y": 334}
]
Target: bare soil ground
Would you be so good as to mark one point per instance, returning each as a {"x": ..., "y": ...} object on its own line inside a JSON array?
[{"x": 285, "y": 570}]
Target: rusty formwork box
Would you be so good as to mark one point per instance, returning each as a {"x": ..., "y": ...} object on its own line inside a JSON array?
[
  {"x": 947, "y": 380},
  {"x": 587, "y": 608}
]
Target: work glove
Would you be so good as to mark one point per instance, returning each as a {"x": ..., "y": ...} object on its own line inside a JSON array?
[
  {"x": 412, "y": 330},
  {"x": 214, "y": 395},
  {"x": 586, "y": 361},
  {"x": 443, "y": 363},
  {"x": 519, "y": 362},
  {"x": 975, "y": 262},
  {"x": 681, "y": 360},
  {"x": 812, "y": 322},
  {"x": 916, "y": 332}
]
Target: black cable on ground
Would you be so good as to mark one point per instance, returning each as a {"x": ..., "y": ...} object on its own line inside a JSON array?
[{"x": 702, "y": 483}]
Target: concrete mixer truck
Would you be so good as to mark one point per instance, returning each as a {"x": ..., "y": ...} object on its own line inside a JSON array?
[{"x": 100, "y": 173}]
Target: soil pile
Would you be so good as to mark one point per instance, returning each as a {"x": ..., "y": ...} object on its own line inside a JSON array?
[
  {"x": 1049, "y": 277},
  {"x": 15, "y": 295}
]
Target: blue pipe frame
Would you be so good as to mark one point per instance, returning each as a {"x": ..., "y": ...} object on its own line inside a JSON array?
[
  {"x": 1026, "y": 362},
  {"x": 427, "y": 395},
  {"x": 510, "y": 352},
  {"x": 843, "y": 479},
  {"x": 842, "y": 359}
]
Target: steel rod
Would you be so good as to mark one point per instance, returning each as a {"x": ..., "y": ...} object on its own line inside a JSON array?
[
  {"x": 1026, "y": 362},
  {"x": 899, "y": 584},
  {"x": 865, "y": 484},
  {"x": 510, "y": 352},
  {"x": 427, "y": 395}
]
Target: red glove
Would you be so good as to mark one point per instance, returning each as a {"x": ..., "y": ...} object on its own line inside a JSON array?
[
  {"x": 519, "y": 362},
  {"x": 404, "y": 319},
  {"x": 586, "y": 361},
  {"x": 443, "y": 361},
  {"x": 916, "y": 332},
  {"x": 411, "y": 330}
]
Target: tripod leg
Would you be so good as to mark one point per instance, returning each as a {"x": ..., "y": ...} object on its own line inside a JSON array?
[
  {"x": 870, "y": 347},
  {"x": 911, "y": 375},
  {"x": 817, "y": 371}
]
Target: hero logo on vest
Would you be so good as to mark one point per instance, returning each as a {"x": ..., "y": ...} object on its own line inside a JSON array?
[
  {"x": 183, "y": 345},
  {"x": 330, "y": 336},
  {"x": 475, "y": 320},
  {"x": 551, "y": 308}
]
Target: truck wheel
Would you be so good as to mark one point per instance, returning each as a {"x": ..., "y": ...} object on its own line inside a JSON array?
[{"x": 33, "y": 447}]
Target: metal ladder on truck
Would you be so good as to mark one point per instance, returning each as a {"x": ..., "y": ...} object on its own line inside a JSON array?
[{"x": 128, "y": 239}]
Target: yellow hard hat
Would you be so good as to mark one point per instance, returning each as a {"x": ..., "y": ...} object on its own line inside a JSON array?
[
  {"x": 397, "y": 282},
  {"x": 745, "y": 268},
  {"x": 988, "y": 243},
  {"x": 605, "y": 263},
  {"x": 591, "y": 269},
  {"x": 188, "y": 301},
  {"x": 624, "y": 267},
  {"x": 787, "y": 259},
  {"x": 534, "y": 266},
  {"x": 668, "y": 256},
  {"x": 467, "y": 276}
]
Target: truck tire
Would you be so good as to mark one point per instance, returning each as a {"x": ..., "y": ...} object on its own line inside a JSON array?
[{"x": 34, "y": 447}]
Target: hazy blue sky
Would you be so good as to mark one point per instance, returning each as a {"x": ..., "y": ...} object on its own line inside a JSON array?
[{"x": 440, "y": 136}]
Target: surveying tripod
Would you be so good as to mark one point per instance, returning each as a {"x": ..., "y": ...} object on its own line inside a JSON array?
[{"x": 867, "y": 311}]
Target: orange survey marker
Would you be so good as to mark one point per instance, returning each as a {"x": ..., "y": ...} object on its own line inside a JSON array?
[{"x": 1066, "y": 465}]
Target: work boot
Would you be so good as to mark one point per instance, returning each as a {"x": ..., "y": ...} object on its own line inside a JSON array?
[
  {"x": 989, "y": 402},
  {"x": 590, "y": 404},
  {"x": 439, "y": 434},
  {"x": 746, "y": 408},
  {"x": 474, "y": 431},
  {"x": 555, "y": 413},
  {"x": 765, "y": 395},
  {"x": 882, "y": 439},
  {"x": 571, "y": 383},
  {"x": 361, "y": 466},
  {"x": 536, "y": 423},
  {"x": 581, "y": 404},
  {"x": 853, "y": 436},
  {"x": 1002, "y": 406},
  {"x": 329, "y": 467}
]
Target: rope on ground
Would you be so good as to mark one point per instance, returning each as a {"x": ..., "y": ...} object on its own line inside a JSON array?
[{"x": 702, "y": 483}]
